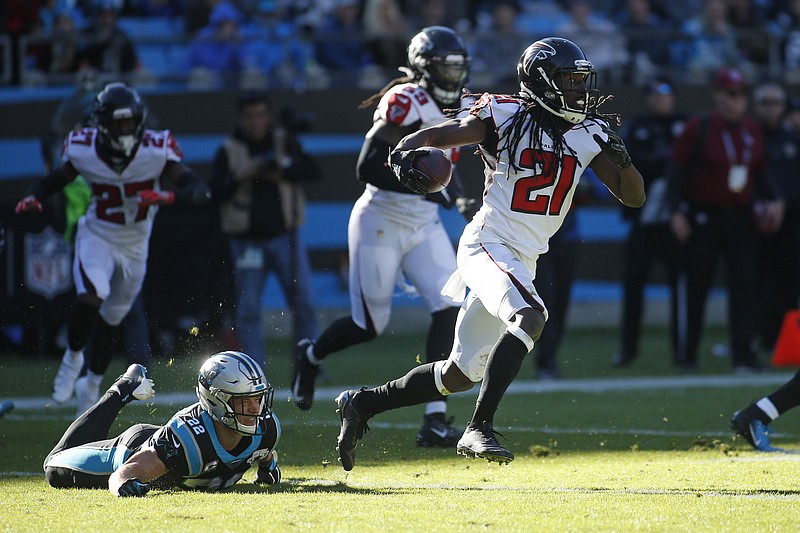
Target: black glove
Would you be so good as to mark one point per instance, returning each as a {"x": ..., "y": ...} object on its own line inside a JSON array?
[
  {"x": 401, "y": 162},
  {"x": 614, "y": 148},
  {"x": 467, "y": 207},
  {"x": 133, "y": 487},
  {"x": 268, "y": 474}
]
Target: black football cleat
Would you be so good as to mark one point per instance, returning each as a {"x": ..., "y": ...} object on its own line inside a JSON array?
[
  {"x": 305, "y": 377},
  {"x": 481, "y": 442},
  {"x": 437, "y": 431},
  {"x": 134, "y": 384},
  {"x": 354, "y": 424},
  {"x": 753, "y": 430}
]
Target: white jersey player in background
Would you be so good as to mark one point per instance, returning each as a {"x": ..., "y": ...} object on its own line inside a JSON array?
[
  {"x": 393, "y": 232},
  {"x": 535, "y": 146},
  {"x": 124, "y": 165}
]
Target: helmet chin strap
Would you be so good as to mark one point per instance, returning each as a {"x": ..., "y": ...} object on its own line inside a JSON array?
[{"x": 573, "y": 117}]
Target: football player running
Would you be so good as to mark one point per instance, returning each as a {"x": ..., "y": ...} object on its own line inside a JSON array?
[
  {"x": 131, "y": 172},
  {"x": 535, "y": 145},
  {"x": 393, "y": 232},
  {"x": 206, "y": 446}
]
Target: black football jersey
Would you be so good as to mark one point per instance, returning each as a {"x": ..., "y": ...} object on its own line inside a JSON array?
[{"x": 188, "y": 445}]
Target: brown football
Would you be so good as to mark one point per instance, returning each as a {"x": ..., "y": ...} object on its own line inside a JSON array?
[{"x": 434, "y": 163}]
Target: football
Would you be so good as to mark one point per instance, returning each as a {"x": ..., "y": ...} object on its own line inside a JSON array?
[{"x": 434, "y": 163}]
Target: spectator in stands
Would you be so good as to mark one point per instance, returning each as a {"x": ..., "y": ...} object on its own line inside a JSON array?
[
  {"x": 258, "y": 174},
  {"x": 593, "y": 31},
  {"x": 787, "y": 25},
  {"x": 104, "y": 46},
  {"x": 17, "y": 18},
  {"x": 60, "y": 54},
  {"x": 386, "y": 30},
  {"x": 339, "y": 43},
  {"x": 217, "y": 52},
  {"x": 648, "y": 38},
  {"x": 432, "y": 13},
  {"x": 710, "y": 42},
  {"x": 275, "y": 54},
  {"x": 779, "y": 246},
  {"x": 500, "y": 38},
  {"x": 749, "y": 20}
]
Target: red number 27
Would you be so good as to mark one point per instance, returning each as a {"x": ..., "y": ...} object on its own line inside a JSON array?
[
  {"x": 525, "y": 200},
  {"x": 108, "y": 198}
]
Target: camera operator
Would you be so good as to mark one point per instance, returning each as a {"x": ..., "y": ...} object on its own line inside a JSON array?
[{"x": 257, "y": 176}]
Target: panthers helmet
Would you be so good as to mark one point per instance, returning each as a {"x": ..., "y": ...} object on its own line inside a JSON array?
[
  {"x": 112, "y": 109},
  {"x": 228, "y": 376},
  {"x": 545, "y": 70},
  {"x": 440, "y": 61}
]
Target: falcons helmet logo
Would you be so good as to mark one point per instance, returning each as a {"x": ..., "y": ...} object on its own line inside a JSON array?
[{"x": 540, "y": 50}]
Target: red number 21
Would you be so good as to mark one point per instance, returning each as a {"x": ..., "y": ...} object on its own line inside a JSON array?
[{"x": 524, "y": 199}]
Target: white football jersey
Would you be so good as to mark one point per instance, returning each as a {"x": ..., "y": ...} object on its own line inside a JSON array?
[
  {"x": 114, "y": 213},
  {"x": 524, "y": 208},
  {"x": 406, "y": 104}
]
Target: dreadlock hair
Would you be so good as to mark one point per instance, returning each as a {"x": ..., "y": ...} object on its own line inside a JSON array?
[
  {"x": 543, "y": 122},
  {"x": 372, "y": 100}
]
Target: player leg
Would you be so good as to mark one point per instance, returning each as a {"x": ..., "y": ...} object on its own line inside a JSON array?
[
  {"x": 81, "y": 458},
  {"x": 251, "y": 276},
  {"x": 637, "y": 264},
  {"x": 428, "y": 265},
  {"x": 126, "y": 284},
  {"x": 92, "y": 270},
  {"x": 423, "y": 383},
  {"x": 374, "y": 247},
  {"x": 504, "y": 285},
  {"x": 752, "y": 421},
  {"x": 295, "y": 277}
]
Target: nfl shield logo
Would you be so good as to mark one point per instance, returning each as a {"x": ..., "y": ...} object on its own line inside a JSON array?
[{"x": 48, "y": 263}]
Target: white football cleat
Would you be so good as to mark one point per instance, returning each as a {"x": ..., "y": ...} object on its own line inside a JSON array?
[
  {"x": 68, "y": 372},
  {"x": 87, "y": 392}
]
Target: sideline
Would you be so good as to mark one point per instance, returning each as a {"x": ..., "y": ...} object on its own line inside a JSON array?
[{"x": 591, "y": 385}]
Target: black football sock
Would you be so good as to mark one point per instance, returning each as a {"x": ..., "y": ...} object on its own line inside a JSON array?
[
  {"x": 441, "y": 333},
  {"x": 80, "y": 324},
  {"x": 102, "y": 348},
  {"x": 416, "y": 387},
  {"x": 502, "y": 367},
  {"x": 787, "y": 396},
  {"x": 341, "y": 334},
  {"x": 438, "y": 345}
]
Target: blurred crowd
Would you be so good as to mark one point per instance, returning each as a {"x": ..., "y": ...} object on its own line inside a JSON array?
[{"x": 316, "y": 43}]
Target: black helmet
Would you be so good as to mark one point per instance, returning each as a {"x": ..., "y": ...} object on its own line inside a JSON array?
[
  {"x": 115, "y": 103},
  {"x": 544, "y": 73},
  {"x": 438, "y": 58}
]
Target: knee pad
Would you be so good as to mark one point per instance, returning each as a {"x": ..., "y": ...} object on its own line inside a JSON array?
[{"x": 515, "y": 330}]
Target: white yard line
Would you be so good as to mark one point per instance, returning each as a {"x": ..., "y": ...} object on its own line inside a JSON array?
[{"x": 766, "y": 380}]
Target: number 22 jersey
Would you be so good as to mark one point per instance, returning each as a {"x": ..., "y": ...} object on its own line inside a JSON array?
[{"x": 188, "y": 445}]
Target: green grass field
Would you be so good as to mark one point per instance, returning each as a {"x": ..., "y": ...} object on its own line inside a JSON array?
[{"x": 643, "y": 448}]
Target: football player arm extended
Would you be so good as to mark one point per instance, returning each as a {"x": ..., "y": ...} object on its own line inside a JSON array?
[
  {"x": 372, "y": 166},
  {"x": 184, "y": 184},
  {"x": 131, "y": 478},
  {"x": 50, "y": 184},
  {"x": 614, "y": 168},
  {"x": 453, "y": 133},
  {"x": 624, "y": 183}
]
